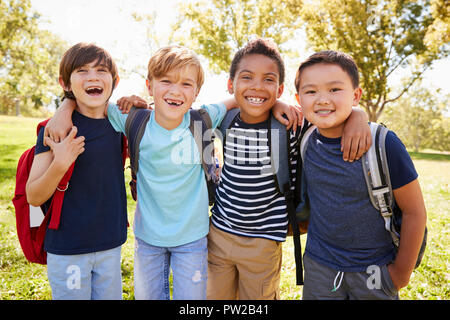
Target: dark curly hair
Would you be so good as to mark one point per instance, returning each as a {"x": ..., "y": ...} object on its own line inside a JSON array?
[{"x": 264, "y": 47}]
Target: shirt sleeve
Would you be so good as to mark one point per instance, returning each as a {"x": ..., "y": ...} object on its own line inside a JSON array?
[
  {"x": 116, "y": 118},
  {"x": 40, "y": 148},
  {"x": 216, "y": 112},
  {"x": 401, "y": 166}
]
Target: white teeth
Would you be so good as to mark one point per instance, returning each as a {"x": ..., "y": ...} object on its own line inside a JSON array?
[
  {"x": 255, "y": 99},
  {"x": 323, "y": 111},
  {"x": 174, "y": 103}
]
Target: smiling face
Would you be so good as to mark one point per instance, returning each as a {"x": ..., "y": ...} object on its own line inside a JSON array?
[
  {"x": 326, "y": 95},
  {"x": 173, "y": 94},
  {"x": 256, "y": 87},
  {"x": 92, "y": 85}
]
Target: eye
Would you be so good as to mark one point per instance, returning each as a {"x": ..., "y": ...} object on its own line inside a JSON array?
[
  {"x": 310, "y": 92},
  {"x": 335, "y": 89},
  {"x": 81, "y": 70},
  {"x": 187, "y": 84}
]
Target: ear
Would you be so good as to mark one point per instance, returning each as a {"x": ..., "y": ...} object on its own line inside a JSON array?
[
  {"x": 63, "y": 85},
  {"x": 357, "y": 94},
  {"x": 280, "y": 90},
  {"x": 230, "y": 86},
  {"x": 116, "y": 81},
  {"x": 148, "y": 84},
  {"x": 297, "y": 97}
]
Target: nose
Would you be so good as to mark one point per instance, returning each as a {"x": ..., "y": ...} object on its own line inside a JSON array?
[
  {"x": 323, "y": 99},
  {"x": 92, "y": 75},
  {"x": 256, "y": 84}
]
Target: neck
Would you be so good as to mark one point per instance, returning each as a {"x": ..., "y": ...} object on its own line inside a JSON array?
[
  {"x": 167, "y": 124},
  {"x": 92, "y": 112},
  {"x": 335, "y": 132}
]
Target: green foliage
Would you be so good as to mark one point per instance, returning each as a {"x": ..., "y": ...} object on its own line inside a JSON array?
[
  {"x": 420, "y": 119},
  {"x": 21, "y": 280},
  {"x": 217, "y": 29},
  {"x": 29, "y": 59},
  {"x": 382, "y": 36}
]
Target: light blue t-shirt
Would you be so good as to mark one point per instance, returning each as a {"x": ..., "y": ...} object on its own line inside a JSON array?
[{"x": 172, "y": 206}]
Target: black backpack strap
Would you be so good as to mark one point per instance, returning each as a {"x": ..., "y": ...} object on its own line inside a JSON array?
[
  {"x": 280, "y": 153},
  {"x": 134, "y": 130}
]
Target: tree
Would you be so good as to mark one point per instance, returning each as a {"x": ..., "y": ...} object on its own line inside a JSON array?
[
  {"x": 29, "y": 59},
  {"x": 218, "y": 28},
  {"x": 383, "y": 37},
  {"x": 419, "y": 119}
]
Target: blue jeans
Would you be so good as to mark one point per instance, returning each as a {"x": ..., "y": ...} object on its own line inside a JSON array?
[
  {"x": 95, "y": 275},
  {"x": 189, "y": 264}
]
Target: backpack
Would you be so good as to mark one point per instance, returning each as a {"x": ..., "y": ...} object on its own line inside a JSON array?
[
  {"x": 31, "y": 222},
  {"x": 376, "y": 174},
  {"x": 280, "y": 139},
  {"x": 134, "y": 129}
]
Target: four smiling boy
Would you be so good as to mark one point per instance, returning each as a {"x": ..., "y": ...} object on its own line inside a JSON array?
[{"x": 238, "y": 254}]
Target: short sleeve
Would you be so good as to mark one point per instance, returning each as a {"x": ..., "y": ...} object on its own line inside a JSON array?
[
  {"x": 216, "y": 112},
  {"x": 40, "y": 148},
  {"x": 401, "y": 166},
  {"x": 116, "y": 118}
]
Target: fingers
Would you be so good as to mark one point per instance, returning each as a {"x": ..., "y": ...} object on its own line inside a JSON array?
[
  {"x": 126, "y": 103},
  {"x": 48, "y": 142}
]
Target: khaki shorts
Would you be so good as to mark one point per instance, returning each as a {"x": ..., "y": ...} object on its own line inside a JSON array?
[{"x": 242, "y": 267}]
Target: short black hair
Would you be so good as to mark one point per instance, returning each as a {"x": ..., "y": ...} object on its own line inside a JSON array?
[
  {"x": 261, "y": 46},
  {"x": 341, "y": 59}
]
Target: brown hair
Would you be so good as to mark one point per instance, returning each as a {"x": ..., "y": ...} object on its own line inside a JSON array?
[
  {"x": 80, "y": 55},
  {"x": 174, "y": 57},
  {"x": 341, "y": 59},
  {"x": 265, "y": 47}
]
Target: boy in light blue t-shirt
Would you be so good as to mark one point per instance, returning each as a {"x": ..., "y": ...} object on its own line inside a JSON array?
[{"x": 171, "y": 220}]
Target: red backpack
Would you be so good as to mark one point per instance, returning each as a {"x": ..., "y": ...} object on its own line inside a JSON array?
[{"x": 32, "y": 238}]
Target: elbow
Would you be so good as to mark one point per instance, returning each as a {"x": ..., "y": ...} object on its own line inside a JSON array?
[{"x": 31, "y": 197}]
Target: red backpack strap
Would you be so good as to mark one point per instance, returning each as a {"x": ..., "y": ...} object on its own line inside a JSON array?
[
  {"x": 124, "y": 149},
  {"x": 58, "y": 197}
]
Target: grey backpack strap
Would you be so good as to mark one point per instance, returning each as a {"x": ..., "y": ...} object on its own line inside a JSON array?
[
  {"x": 304, "y": 142},
  {"x": 134, "y": 130},
  {"x": 376, "y": 173},
  {"x": 226, "y": 123},
  {"x": 199, "y": 126}
]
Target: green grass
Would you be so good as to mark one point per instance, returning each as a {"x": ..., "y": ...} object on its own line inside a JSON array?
[{"x": 22, "y": 280}]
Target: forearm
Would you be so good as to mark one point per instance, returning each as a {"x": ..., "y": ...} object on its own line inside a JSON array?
[
  {"x": 409, "y": 198},
  {"x": 230, "y": 104},
  {"x": 42, "y": 188},
  {"x": 411, "y": 235}
]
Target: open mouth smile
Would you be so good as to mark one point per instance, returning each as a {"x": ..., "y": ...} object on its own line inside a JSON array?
[
  {"x": 94, "y": 91},
  {"x": 174, "y": 103},
  {"x": 255, "y": 100},
  {"x": 324, "y": 112}
]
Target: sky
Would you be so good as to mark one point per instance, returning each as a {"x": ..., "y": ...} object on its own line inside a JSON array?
[{"x": 110, "y": 24}]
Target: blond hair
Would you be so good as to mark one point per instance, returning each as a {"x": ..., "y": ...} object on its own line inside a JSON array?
[{"x": 169, "y": 58}]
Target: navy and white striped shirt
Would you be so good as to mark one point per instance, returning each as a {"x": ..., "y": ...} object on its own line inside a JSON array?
[{"x": 247, "y": 200}]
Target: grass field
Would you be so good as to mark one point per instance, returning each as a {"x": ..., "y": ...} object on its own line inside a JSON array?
[{"x": 21, "y": 280}]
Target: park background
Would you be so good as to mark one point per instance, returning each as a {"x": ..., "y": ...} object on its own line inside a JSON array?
[{"x": 401, "y": 48}]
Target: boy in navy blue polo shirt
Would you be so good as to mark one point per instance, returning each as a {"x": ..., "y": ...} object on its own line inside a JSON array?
[
  {"x": 347, "y": 239},
  {"x": 83, "y": 254}
]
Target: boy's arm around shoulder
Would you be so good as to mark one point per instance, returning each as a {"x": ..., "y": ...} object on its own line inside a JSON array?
[
  {"x": 49, "y": 167},
  {"x": 356, "y": 138},
  {"x": 410, "y": 200},
  {"x": 60, "y": 124}
]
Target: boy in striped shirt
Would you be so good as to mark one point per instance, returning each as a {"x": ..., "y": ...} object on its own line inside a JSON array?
[{"x": 249, "y": 218}]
